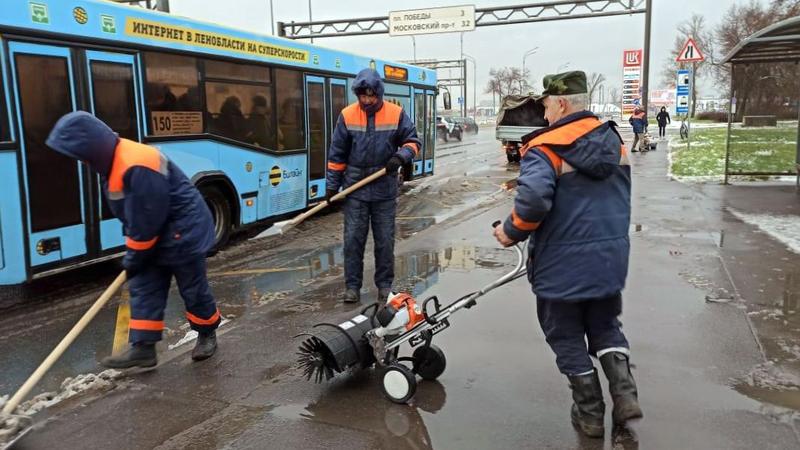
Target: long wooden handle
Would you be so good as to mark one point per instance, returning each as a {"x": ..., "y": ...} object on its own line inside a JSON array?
[
  {"x": 64, "y": 344},
  {"x": 336, "y": 197}
]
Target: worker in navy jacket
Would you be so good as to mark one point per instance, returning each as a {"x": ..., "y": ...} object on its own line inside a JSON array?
[
  {"x": 168, "y": 232},
  {"x": 370, "y": 135},
  {"x": 573, "y": 202}
]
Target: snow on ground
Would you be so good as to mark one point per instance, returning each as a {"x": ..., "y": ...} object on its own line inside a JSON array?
[{"x": 785, "y": 229}]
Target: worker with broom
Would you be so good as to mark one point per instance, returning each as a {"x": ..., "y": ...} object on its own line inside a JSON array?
[
  {"x": 574, "y": 198},
  {"x": 168, "y": 232},
  {"x": 370, "y": 135}
]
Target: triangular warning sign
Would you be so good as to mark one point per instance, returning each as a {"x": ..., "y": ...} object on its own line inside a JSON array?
[{"x": 690, "y": 53}]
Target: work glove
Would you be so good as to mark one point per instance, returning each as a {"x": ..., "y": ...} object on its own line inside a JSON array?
[
  {"x": 329, "y": 195},
  {"x": 393, "y": 165},
  {"x": 131, "y": 269}
]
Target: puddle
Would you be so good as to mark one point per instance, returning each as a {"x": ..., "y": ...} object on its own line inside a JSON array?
[{"x": 291, "y": 412}]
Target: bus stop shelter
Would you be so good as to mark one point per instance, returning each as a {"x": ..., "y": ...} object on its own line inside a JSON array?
[{"x": 763, "y": 136}]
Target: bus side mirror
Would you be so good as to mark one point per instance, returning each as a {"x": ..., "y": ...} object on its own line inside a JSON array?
[{"x": 447, "y": 102}]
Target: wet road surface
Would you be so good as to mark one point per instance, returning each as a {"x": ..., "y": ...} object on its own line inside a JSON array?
[{"x": 710, "y": 311}]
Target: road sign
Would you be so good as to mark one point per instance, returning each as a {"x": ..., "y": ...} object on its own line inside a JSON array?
[
  {"x": 449, "y": 19},
  {"x": 690, "y": 53},
  {"x": 682, "y": 90}
]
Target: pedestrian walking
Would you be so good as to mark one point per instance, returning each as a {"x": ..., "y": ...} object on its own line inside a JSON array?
[
  {"x": 573, "y": 198},
  {"x": 168, "y": 232},
  {"x": 638, "y": 121},
  {"x": 663, "y": 120},
  {"x": 370, "y": 135}
]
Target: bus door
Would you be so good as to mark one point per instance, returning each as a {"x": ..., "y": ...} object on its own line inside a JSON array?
[
  {"x": 113, "y": 98},
  {"x": 337, "y": 99},
  {"x": 430, "y": 132},
  {"x": 420, "y": 123},
  {"x": 317, "y": 137},
  {"x": 55, "y": 209}
]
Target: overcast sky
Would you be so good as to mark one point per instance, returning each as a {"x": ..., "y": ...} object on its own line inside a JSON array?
[{"x": 592, "y": 45}]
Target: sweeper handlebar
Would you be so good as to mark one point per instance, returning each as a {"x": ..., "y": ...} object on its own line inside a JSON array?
[{"x": 467, "y": 301}]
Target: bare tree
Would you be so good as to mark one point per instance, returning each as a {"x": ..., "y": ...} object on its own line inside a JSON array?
[
  {"x": 507, "y": 81},
  {"x": 613, "y": 96},
  {"x": 594, "y": 81}
]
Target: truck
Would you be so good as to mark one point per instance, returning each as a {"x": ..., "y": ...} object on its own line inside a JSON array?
[{"x": 519, "y": 115}]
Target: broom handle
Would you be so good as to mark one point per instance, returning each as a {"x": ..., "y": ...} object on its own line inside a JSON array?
[
  {"x": 336, "y": 197},
  {"x": 64, "y": 344}
]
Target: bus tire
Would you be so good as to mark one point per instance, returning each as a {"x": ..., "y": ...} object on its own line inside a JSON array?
[{"x": 220, "y": 209}]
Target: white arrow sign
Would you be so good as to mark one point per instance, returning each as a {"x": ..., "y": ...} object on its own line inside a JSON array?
[{"x": 690, "y": 53}]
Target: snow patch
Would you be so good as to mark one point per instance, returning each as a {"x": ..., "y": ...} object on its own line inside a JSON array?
[
  {"x": 785, "y": 229},
  {"x": 191, "y": 335}
]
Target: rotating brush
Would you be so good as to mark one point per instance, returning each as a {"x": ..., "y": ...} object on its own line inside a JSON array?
[{"x": 330, "y": 349}]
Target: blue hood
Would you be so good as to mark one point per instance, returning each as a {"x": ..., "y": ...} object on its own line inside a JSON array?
[
  {"x": 369, "y": 78},
  {"x": 82, "y": 136}
]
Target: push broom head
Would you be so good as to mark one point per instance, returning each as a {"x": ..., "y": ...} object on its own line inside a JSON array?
[{"x": 316, "y": 360}]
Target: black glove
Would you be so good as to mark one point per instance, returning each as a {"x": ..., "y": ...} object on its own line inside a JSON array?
[
  {"x": 393, "y": 165},
  {"x": 329, "y": 195},
  {"x": 131, "y": 270}
]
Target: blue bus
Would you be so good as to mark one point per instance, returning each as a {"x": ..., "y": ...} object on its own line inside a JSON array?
[{"x": 247, "y": 117}]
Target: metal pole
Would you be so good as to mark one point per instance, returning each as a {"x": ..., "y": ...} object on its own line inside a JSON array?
[
  {"x": 163, "y": 5},
  {"x": 646, "y": 63},
  {"x": 464, "y": 85},
  {"x": 271, "y": 17},
  {"x": 691, "y": 110},
  {"x": 730, "y": 119},
  {"x": 310, "y": 29},
  {"x": 414, "y": 41}
]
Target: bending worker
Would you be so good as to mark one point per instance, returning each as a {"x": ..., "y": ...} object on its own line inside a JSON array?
[
  {"x": 574, "y": 198},
  {"x": 370, "y": 134},
  {"x": 168, "y": 231}
]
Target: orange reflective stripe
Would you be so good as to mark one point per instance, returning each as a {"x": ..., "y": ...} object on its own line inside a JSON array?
[
  {"x": 129, "y": 154},
  {"x": 412, "y": 146},
  {"x": 146, "y": 325},
  {"x": 388, "y": 116},
  {"x": 140, "y": 245},
  {"x": 198, "y": 321},
  {"x": 554, "y": 159},
  {"x": 523, "y": 225},
  {"x": 336, "y": 166},
  {"x": 567, "y": 134},
  {"x": 354, "y": 117}
]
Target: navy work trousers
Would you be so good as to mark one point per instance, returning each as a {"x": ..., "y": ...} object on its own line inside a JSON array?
[
  {"x": 149, "y": 290},
  {"x": 358, "y": 216},
  {"x": 567, "y": 327}
]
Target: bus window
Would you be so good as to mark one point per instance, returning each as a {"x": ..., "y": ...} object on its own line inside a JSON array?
[
  {"x": 4, "y": 126},
  {"x": 45, "y": 96},
  {"x": 419, "y": 121},
  {"x": 231, "y": 71},
  {"x": 338, "y": 102},
  {"x": 289, "y": 101},
  {"x": 227, "y": 104},
  {"x": 316, "y": 125},
  {"x": 173, "y": 95}
]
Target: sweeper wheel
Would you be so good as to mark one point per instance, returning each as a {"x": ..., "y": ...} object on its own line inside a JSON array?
[
  {"x": 399, "y": 383},
  {"x": 429, "y": 362}
]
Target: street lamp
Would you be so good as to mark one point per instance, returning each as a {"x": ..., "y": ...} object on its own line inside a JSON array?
[
  {"x": 528, "y": 53},
  {"x": 474, "y": 81}
]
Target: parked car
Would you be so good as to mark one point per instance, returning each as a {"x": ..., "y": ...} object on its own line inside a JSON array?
[
  {"x": 467, "y": 123},
  {"x": 447, "y": 128}
]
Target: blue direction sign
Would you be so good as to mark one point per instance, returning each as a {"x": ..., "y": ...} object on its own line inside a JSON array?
[{"x": 683, "y": 87}]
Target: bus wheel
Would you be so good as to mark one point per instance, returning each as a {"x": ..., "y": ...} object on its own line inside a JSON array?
[{"x": 220, "y": 212}]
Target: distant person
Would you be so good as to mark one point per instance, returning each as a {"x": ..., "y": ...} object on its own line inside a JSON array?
[
  {"x": 168, "y": 231},
  {"x": 638, "y": 121},
  {"x": 663, "y": 119},
  {"x": 574, "y": 203},
  {"x": 370, "y": 135}
]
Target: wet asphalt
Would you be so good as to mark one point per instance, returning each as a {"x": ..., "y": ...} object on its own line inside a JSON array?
[{"x": 710, "y": 311}]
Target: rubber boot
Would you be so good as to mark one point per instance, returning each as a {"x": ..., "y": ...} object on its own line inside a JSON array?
[
  {"x": 622, "y": 387},
  {"x": 205, "y": 347},
  {"x": 588, "y": 409},
  {"x": 383, "y": 294},
  {"x": 138, "y": 355},
  {"x": 352, "y": 296}
]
